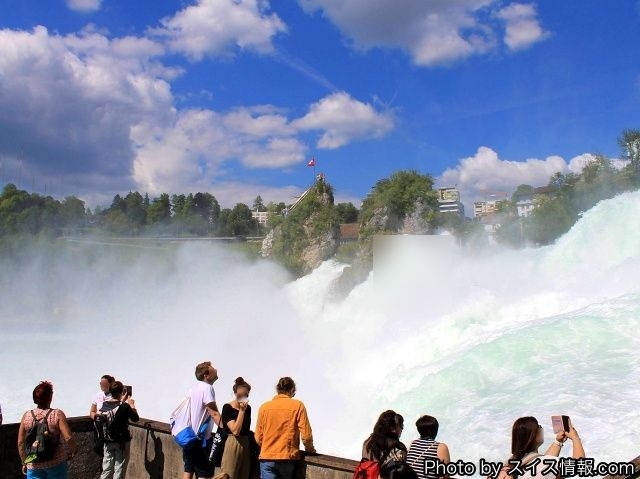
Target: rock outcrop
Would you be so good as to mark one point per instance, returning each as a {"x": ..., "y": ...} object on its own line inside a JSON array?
[{"x": 308, "y": 235}]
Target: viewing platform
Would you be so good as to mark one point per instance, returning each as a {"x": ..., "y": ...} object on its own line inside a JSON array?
[{"x": 155, "y": 455}]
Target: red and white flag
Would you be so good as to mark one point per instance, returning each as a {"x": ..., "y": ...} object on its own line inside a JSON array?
[{"x": 312, "y": 162}]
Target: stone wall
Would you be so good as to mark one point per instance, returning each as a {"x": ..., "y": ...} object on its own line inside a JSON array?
[
  {"x": 85, "y": 465},
  {"x": 154, "y": 455}
]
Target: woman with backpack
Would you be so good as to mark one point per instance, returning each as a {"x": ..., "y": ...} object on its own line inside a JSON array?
[
  {"x": 526, "y": 462},
  {"x": 117, "y": 412},
  {"x": 383, "y": 445},
  {"x": 45, "y": 443}
]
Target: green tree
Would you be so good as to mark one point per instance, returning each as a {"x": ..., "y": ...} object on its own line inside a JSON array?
[
  {"x": 241, "y": 222},
  {"x": 159, "y": 211},
  {"x": 72, "y": 212},
  {"x": 549, "y": 220},
  {"x": 347, "y": 213},
  {"x": 630, "y": 144},
  {"x": 258, "y": 204}
]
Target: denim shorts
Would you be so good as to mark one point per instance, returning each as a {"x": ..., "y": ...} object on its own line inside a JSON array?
[{"x": 55, "y": 472}]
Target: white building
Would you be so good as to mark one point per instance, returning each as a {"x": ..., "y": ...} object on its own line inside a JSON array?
[
  {"x": 485, "y": 208},
  {"x": 449, "y": 201},
  {"x": 260, "y": 216},
  {"x": 524, "y": 205}
]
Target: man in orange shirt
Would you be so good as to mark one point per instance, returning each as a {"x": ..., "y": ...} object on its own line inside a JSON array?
[{"x": 282, "y": 422}]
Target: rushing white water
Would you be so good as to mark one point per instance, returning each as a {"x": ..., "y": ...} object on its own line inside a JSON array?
[{"x": 475, "y": 339}]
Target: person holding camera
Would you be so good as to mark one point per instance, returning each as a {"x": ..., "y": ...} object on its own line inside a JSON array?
[
  {"x": 116, "y": 445},
  {"x": 236, "y": 419},
  {"x": 526, "y": 462}
]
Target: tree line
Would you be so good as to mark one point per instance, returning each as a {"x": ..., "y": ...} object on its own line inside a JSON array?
[{"x": 190, "y": 214}]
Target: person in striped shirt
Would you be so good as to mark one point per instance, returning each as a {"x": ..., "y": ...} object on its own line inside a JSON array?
[{"x": 427, "y": 448}]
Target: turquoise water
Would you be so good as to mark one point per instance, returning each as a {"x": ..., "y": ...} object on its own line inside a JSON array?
[{"x": 476, "y": 339}]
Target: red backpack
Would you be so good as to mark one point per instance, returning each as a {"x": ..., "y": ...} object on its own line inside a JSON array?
[{"x": 367, "y": 469}]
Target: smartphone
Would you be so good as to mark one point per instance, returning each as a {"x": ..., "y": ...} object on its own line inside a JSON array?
[
  {"x": 129, "y": 391},
  {"x": 561, "y": 423}
]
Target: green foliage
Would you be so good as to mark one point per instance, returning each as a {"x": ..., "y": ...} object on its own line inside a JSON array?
[
  {"x": 32, "y": 214},
  {"x": 399, "y": 194},
  {"x": 558, "y": 206},
  {"x": 312, "y": 217},
  {"x": 347, "y": 213}
]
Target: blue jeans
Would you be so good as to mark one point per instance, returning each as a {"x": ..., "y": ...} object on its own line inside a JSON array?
[
  {"x": 277, "y": 469},
  {"x": 55, "y": 472}
]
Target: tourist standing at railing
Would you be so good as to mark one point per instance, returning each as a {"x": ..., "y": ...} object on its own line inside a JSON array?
[
  {"x": 203, "y": 406},
  {"x": 236, "y": 418},
  {"x": 526, "y": 438},
  {"x": 116, "y": 446},
  {"x": 63, "y": 443},
  {"x": 427, "y": 448},
  {"x": 282, "y": 422},
  {"x": 105, "y": 385},
  {"x": 383, "y": 445}
]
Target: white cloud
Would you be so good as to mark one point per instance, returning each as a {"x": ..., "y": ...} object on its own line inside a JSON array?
[
  {"x": 218, "y": 27},
  {"x": 522, "y": 27},
  {"x": 344, "y": 119},
  {"x": 86, "y": 106},
  {"x": 431, "y": 31},
  {"x": 84, "y": 5},
  {"x": 68, "y": 102},
  {"x": 194, "y": 147},
  {"x": 485, "y": 174}
]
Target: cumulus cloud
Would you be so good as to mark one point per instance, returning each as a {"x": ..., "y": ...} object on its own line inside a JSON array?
[
  {"x": 522, "y": 26},
  {"x": 344, "y": 119},
  {"x": 431, "y": 31},
  {"x": 485, "y": 174},
  {"x": 84, "y": 6},
  {"x": 218, "y": 27},
  {"x": 87, "y": 106},
  {"x": 193, "y": 148},
  {"x": 67, "y": 102}
]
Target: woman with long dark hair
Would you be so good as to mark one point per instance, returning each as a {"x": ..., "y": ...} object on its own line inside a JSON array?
[
  {"x": 383, "y": 445},
  {"x": 526, "y": 438}
]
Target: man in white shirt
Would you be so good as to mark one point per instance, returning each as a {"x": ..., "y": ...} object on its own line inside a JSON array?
[{"x": 203, "y": 408}]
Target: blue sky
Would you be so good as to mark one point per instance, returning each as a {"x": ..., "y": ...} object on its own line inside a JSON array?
[{"x": 234, "y": 96}]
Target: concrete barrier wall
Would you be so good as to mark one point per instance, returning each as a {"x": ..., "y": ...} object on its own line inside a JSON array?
[
  {"x": 155, "y": 455},
  {"x": 86, "y": 464}
]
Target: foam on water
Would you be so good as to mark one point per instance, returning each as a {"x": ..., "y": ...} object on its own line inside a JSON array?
[{"x": 475, "y": 339}]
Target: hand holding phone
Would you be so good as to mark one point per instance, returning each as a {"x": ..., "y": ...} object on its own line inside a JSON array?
[{"x": 561, "y": 423}]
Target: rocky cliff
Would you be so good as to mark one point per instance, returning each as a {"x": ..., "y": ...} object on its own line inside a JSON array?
[{"x": 308, "y": 235}]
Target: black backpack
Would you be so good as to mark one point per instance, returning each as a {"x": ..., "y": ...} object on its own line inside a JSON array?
[
  {"x": 39, "y": 443},
  {"x": 105, "y": 430}
]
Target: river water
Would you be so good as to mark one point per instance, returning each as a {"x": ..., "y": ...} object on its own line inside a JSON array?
[{"x": 476, "y": 339}]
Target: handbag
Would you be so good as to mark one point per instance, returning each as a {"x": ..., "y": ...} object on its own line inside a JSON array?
[{"x": 217, "y": 447}]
